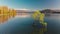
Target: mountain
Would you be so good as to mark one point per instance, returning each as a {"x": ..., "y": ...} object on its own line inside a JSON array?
[
  {"x": 50, "y": 11},
  {"x": 42, "y": 11},
  {"x": 24, "y": 11}
]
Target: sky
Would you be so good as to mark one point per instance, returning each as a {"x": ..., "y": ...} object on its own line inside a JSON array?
[{"x": 31, "y": 4}]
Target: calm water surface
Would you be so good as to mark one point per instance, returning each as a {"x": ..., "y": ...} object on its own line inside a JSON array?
[
  {"x": 23, "y": 25},
  {"x": 17, "y": 25},
  {"x": 53, "y": 23}
]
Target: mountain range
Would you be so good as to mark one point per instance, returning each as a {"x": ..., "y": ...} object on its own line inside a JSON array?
[{"x": 43, "y": 11}]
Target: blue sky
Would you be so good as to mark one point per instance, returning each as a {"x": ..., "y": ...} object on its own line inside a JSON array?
[{"x": 30, "y": 4}]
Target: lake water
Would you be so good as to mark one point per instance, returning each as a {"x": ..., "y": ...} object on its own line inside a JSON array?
[
  {"x": 53, "y": 23},
  {"x": 23, "y": 25},
  {"x": 17, "y": 25}
]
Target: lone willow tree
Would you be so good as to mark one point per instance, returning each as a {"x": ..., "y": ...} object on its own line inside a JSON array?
[{"x": 39, "y": 17}]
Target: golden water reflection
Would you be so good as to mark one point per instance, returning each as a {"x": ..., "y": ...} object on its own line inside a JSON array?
[{"x": 6, "y": 13}]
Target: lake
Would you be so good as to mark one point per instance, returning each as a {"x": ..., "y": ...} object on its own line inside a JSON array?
[
  {"x": 53, "y": 23},
  {"x": 23, "y": 25}
]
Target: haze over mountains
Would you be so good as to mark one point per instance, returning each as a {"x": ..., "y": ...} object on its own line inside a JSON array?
[
  {"x": 43, "y": 11},
  {"x": 50, "y": 11}
]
